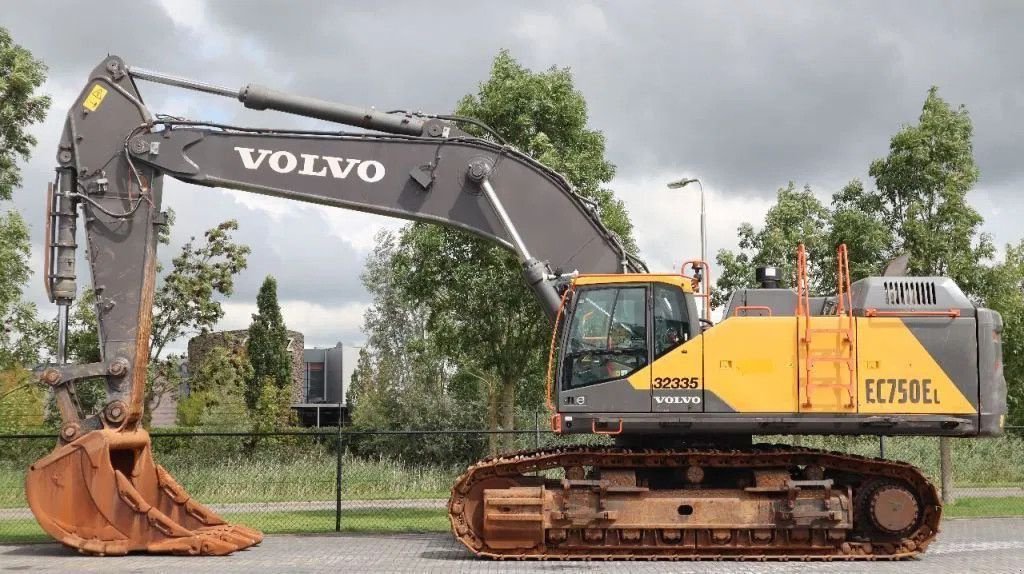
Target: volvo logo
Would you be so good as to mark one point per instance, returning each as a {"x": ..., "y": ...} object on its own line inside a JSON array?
[
  {"x": 678, "y": 400},
  {"x": 370, "y": 171}
]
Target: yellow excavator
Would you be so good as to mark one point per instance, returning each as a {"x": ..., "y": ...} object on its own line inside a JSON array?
[{"x": 631, "y": 357}]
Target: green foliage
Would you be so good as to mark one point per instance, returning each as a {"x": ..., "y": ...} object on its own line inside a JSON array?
[
  {"x": 22, "y": 335},
  {"x": 20, "y": 107},
  {"x": 922, "y": 194},
  {"x": 855, "y": 222},
  {"x": 1003, "y": 290},
  {"x": 14, "y": 254},
  {"x": 268, "y": 353},
  {"x": 83, "y": 346},
  {"x": 796, "y": 217},
  {"x": 403, "y": 380},
  {"x": 268, "y": 415},
  {"x": 544, "y": 115},
  {"x": 919, "y": 207},
  {"x": 21, "y": 401},
  {"x": 184, "y": 302},
  {"x": 216, "y": 389}
]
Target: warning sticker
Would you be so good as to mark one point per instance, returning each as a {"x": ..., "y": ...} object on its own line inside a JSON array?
[{"x": 95, "y": 98}]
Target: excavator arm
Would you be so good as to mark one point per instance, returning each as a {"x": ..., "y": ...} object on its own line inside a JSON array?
[{"x": 100, "y": 490}]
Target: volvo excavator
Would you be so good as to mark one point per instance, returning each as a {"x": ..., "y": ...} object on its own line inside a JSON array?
[{"x": 631, "y": 357}]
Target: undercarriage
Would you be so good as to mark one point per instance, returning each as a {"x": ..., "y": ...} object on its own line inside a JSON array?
[{"x": 765, "y": 502}]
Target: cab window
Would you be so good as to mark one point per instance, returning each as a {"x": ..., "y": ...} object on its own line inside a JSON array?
[
  {"x": 671, "y": 319},
  {"x": 608, "y": 335}
]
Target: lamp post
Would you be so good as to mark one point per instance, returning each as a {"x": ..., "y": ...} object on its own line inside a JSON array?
[{"x": 703, "y": 216}]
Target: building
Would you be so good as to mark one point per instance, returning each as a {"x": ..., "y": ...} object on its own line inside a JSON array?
[
  {"x": 317, "y": 390},
  {"x": 324, "y": 388}
]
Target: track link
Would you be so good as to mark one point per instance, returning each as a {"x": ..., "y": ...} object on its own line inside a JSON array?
[{"x": 863, "y": 476}]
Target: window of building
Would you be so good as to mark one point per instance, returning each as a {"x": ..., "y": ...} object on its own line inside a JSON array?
[
  {"x": 608, "y": 335},
  {"x": 315, "y": 383}
]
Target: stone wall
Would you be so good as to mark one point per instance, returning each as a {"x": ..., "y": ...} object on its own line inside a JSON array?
[{"x": 201, "y": 345}]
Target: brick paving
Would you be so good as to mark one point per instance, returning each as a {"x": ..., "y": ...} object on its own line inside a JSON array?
[{"x": 974, "y": 545}]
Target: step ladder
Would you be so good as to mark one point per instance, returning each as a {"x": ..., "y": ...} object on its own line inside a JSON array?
[{"x": 843, "y": 352}]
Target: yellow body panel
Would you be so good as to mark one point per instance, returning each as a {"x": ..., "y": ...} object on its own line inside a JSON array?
[
  {"x": 750, "y": 363},
  {"x": 898, "y": 376},
  {"x": 685, "y": 361},
  {"x": 675, "y": 279}
]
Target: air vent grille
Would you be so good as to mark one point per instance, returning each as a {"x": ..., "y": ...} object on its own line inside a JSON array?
[{"x": 909, "y": 293}]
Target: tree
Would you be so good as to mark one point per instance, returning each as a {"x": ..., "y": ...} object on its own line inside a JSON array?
[
  {"x": 473, "y": 291},
  {"x": 20, "y": 107},
  {"x": 922, "y": 195},
  {"x": 269, "y": 356},
  {"x": 855, "y": 221},
  {"x": 797, "y": 217},
  {"x": 403, "y": 380},
  {"x": 919, "y": 207},
  {"x": 21, "y": 75},
  {"x": 1003, "y": 290},
  {"x": 185, "y": 302}
]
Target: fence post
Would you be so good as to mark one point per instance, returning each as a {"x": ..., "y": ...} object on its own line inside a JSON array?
[
  {"x": 536, "y": 426},
  {"x": 946, "y": 470},
  {"x": 337, "y": 478}
]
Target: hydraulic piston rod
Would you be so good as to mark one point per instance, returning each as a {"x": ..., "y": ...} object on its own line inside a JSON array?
[{"x": 258, "y": 97}]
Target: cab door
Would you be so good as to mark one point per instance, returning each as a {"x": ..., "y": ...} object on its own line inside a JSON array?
[
  {"x": 677, "y": 372},
  {"x": 605, "y": 364}
]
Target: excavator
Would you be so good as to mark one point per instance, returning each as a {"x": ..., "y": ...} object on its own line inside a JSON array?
[{"x": 677, "y": 397}]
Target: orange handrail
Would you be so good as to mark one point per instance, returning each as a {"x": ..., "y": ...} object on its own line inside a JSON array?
[
  {"x": 872, "y": 312},
  {"x": 549, "y": 385},
  {"x": 704, "y": 282}
]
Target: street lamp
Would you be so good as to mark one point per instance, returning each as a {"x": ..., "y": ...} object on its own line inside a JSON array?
[{"x": 703, "y": 216}]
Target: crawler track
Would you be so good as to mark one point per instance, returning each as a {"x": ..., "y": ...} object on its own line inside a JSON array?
[{"x": 864, "y": 484}]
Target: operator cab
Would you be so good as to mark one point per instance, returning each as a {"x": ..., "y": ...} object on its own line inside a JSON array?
[{"x": 615, "y": 328}]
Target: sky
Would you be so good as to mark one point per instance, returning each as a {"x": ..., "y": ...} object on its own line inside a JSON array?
[{"x": 746, "y": 96}]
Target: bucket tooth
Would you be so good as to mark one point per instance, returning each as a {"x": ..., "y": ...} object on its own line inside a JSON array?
[{"x": 103, "y": 494}]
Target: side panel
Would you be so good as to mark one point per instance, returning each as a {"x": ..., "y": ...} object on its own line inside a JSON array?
[
  {"x": 677, "y": 379},
  {"x": 750, "y": 365},
  {"x": 918, "y": 365}
]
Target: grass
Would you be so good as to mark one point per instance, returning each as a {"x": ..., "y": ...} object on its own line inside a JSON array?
[
  {"x": 21, "y": 530},
  {"x": 303, "y": 478},
  {"x": 985, "y": 507}
]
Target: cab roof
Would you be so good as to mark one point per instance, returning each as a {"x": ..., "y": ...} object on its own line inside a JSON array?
[{"x": 681, "y": 281}]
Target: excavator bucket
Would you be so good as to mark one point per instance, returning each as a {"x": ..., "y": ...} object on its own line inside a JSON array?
[{"x": 103, "y": 494}]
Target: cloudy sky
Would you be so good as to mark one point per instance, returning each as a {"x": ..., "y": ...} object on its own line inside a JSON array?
[{"x": 744, "y": 95}]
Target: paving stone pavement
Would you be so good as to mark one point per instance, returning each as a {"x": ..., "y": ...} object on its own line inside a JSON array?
[{"x": 974, "y": 545}]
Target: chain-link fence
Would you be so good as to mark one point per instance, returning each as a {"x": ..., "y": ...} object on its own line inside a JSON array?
[{"x": 399, "y": 481}]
